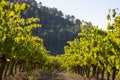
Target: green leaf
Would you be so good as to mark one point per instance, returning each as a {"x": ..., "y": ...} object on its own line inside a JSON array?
[
  {"x": 16, "y": 8},
  {"x": 108, "y": 17}
]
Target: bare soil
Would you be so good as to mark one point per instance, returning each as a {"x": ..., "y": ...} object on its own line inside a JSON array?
[
  {"x": 38, "y": 75},
  {"x": 48, "y": 75}
]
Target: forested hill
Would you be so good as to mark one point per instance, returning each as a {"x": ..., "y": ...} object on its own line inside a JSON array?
[{"x": 57, "y": 28}]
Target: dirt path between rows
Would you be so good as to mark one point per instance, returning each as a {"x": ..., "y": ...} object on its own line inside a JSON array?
[
  {"x": 43, "y": 75},
  {"x": 38, "y": 75}
]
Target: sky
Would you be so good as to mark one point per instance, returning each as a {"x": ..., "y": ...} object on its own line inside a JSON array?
[{"x": 94, "y": 11}]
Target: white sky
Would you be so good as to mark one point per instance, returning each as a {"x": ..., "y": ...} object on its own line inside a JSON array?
[{"x": 94, "y": 11}]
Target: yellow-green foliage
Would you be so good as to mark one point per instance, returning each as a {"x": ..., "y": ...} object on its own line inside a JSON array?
[
  {"x": 95, "y": 46},
  {"x": 16, "y": 40}
]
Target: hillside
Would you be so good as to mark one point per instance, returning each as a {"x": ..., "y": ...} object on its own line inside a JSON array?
[{"x": 57, "y": 28}]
